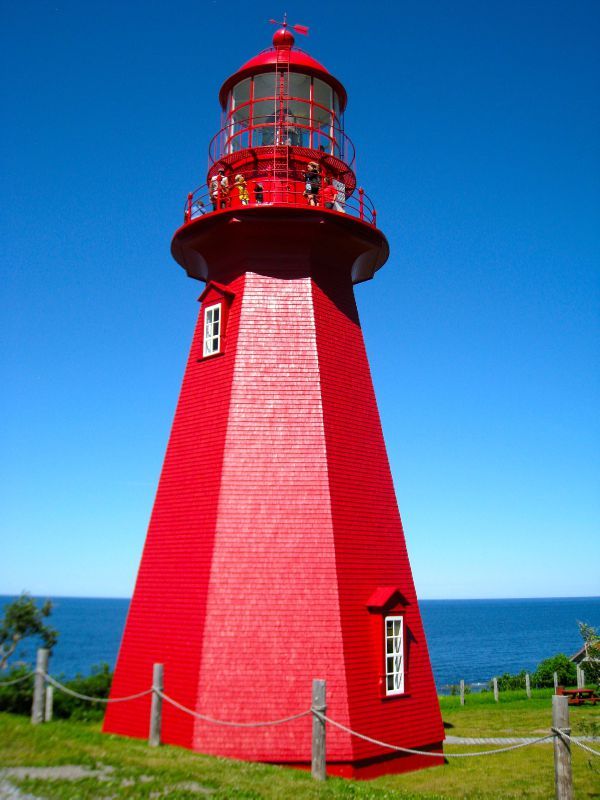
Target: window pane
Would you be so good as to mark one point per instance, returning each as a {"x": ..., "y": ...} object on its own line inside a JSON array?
[
  {"x": 299, "y": 86},
  {"x": 241, "y": 93},
  {"x": 394, "y": 655},
  {"x": 322, "y": 94},
  {"x": 264, "y": 85},
  {"x": 212, "y": 330}
]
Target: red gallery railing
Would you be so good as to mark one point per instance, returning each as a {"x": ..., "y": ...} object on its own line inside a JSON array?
[{"x": 259, "y": 191}]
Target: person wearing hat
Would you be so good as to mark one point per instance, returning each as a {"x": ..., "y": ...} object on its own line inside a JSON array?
[
  {"x": 242, "y": 187},
  {"x": 312, "y": 180},
  {"x": 219, "y": 189}
]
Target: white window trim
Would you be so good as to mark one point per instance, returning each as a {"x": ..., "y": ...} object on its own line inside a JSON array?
[
  {"x": 209, "y": 336},
  {"x": 397, "y": 654}
]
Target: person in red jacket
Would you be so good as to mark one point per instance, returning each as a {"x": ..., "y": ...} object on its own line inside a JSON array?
[{"x": 329, "y": 194}]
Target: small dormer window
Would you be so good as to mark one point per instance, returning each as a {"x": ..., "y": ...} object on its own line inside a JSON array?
[
  {"x": 212, "y": 330},
  {"x": 216, "y": 302},
  {"x": 394, "y": 655},
  {"x": 390, "y": 605}
]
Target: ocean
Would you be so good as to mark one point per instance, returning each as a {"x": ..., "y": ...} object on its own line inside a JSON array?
[{"x": 469, "y": 639}]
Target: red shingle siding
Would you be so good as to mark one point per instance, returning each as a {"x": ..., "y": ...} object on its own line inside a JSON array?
[
  {"x": 370, "y": 546},
  {"x": 273, "y": 618},
  {"x": 275, "y": 521},
  {"x": 167, "y": 610}
]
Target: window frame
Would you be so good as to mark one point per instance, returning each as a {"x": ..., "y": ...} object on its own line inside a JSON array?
[
  {"x": 206, "y": 353},
  {"x": 401, "y": 689}
]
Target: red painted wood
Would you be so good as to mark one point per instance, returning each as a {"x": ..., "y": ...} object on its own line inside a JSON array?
[
  {"x": 168, "y": 606},
  {"x": 275, "y": 522},
  {"x": 275, "y": 547},
  {"x": 370, "y": 545}
]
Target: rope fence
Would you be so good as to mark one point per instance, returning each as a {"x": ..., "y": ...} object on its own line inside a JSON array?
[
  {"x": 560, "y": 734},
  {"x": 53, "y": 682},
  {"x": 17, "y": 680},
  {"x": 427, "y": 752}
]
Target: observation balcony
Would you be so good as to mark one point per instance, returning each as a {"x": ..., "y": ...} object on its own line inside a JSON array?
[{"x": 289, "y": 191}]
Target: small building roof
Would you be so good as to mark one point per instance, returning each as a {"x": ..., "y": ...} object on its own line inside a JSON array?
[{"x": 385, "y": 597}]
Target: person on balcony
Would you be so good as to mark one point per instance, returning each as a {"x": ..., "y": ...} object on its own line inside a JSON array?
[
  {"x": 242, "y": 188},
  {"x": 330, "y": 194},
  {"x": 219, "y": 189},
  {"x": 312, "y": 183},
  {"x": 259, "y": 194}
]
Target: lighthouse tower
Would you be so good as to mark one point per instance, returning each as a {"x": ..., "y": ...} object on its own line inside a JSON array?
[{"x": 275, "y": 552}]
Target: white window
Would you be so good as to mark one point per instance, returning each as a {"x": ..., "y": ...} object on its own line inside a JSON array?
[
  {"x": 394, "y": 655},
  {"x": 212, "y": 330}
]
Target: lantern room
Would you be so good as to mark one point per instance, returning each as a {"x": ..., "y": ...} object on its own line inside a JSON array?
[
  {"x": 284, "y": 97},
  {"x": 281, "y": 112},
  {"x": 281, "y": 149}
]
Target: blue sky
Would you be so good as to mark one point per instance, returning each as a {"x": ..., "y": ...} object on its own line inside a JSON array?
[{"x": 477, "y": 129}]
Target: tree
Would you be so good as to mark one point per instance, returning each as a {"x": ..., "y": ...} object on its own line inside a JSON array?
[
  {"x": 22, "y": 618},
  {"x": 591, "y": 643}
]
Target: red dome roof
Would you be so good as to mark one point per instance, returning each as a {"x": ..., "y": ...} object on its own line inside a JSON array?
[{"x": 299, "y": 62}]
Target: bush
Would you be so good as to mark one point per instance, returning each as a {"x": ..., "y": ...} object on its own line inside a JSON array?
[
  {"x": 17, "y": 699},
  {"x": 507, "y": 681},
  {"x": 565, "y": 669},
  {"x": 97, "y": 684}
]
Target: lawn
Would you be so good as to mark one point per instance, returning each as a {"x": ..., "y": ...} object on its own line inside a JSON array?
[{"x": 103, "y": 766}]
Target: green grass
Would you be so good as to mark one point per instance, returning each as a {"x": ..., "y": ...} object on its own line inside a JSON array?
[{"x": 142, "y": 772}]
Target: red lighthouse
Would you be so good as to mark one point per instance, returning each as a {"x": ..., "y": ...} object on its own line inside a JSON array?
[{"x": 275, "y": 552}]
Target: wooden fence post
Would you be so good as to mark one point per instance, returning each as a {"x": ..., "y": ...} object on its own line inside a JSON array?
[
  {"x": 495, "y": 682},
  {"x": 555, "y": 678},
  {"x": 580, "y": 678},
  {"x": 156, "y": 707},
  {"x": 319, "y": 752},
  {"x": 563, "y": 777},
  {"x": 39, "y": 682},
  {"x": 462, "y": 692},
  {"x": 49, "y": 706},
  {"x": 528, "y": 685}
]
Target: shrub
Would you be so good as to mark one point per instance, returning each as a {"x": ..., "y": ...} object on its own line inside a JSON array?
[
  {"x": 508, "y": 681},
  {"x": 17, "y": 699},
  {"x": 565, "y": 669},
  {"x": 97, "y": 684}
]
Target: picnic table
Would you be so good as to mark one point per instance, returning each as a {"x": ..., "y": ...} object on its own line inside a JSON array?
[{"x": 577, "y": 697}]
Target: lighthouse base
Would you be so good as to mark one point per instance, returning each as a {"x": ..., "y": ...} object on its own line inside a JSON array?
[
  {"x": 371, "y": 768},
  {"x": 275, "y": 554}
]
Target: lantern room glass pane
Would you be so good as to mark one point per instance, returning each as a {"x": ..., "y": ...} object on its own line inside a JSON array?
[
  {"x": 299, "y": 86},
  {"x": 336, "y": 108},
  {"x": 263, "y": 120},
  {"x": 264, "y": 85},
  {"x": 323, "y": 94},
  {"x": 241, "y": 93}
]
